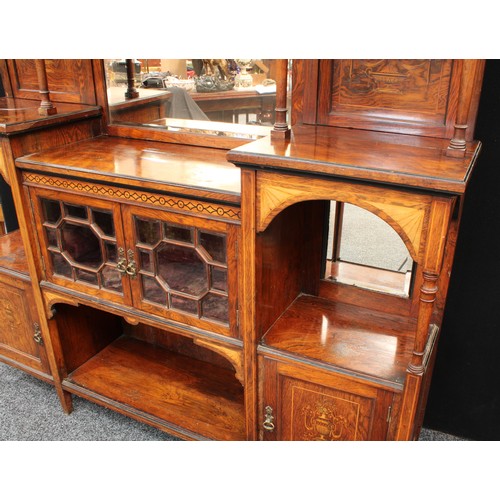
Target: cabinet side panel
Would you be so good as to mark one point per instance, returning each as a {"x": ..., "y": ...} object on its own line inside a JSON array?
[{"x": 289, "y": 258}]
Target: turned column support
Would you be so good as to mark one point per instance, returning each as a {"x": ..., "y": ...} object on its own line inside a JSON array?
[
  {"x": 131, "y": 92},
  {"x": 46, "y": 108},
  {"x": 458, "y": 143},
  {"x": 281, "y": 129},
  {"x": 439, "y": 220},
  {"x": 428, "y": 292}
]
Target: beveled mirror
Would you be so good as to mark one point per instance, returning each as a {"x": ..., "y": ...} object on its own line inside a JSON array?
[{"x": 225, "y": 98}]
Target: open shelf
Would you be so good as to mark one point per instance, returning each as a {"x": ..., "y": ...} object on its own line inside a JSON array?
[
  {"x": 170, "y": 388},
  {"x": 347, "y": 338},
  {"x": 12, "y": 256}
]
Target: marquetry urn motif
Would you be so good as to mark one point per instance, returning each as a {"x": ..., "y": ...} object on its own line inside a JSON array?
[
  {"x": 322, "y": 422},
  {"x": 322, "y": 417}
]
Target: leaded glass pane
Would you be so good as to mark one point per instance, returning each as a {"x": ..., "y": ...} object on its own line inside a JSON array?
[
  {"x": 61, "y": 265},
  {"x": 111, "y": 279},
  {"x": 146, "y": 261},
  {"x": 86, "y": 276},
  {"x": 76, "y": 211},
  {"x": 81, "y": 245},
  {"x": 215, "y": 307},
  {"x": 51, "y": 237},
  {"x": 51, "y": 210},
  {"x": 148, "y": 231},
  {"x": 152, "y": 291},
  {"x": 111, "y": 254},
  {"x": 182, "y": 269},
  {"x": 179, "y": 233},
  {"x": 104, "y": 221},
  {"x": 215, "y": 245},
  {"x": 184, "y": 304},
  {"x": 219, "y": 278}
]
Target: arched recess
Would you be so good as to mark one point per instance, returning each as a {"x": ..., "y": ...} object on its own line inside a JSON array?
[{"x": 406, "y": 213}]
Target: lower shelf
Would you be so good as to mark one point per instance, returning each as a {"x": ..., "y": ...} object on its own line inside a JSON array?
[
  {"x": 370, "y": 345},
  {"x": 145, "y": 380}
]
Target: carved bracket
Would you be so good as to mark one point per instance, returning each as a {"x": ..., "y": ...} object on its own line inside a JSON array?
[{"x": 233, "y": 355}]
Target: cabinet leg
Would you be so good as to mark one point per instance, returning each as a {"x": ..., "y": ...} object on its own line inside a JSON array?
[{"x": 66, "y": 400}]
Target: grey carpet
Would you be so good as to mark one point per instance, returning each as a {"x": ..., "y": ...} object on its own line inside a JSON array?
[{"x": 30, "y": 411}]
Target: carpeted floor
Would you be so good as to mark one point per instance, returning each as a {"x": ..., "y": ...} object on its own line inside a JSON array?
[{"x": 30, "y": 411}]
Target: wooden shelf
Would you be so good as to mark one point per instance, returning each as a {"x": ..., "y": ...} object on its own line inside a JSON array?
[
  {"x": 19, "y": 115},
  {"x": 163, "y": 387},
  {"x": 12, "y": 255},
  {"x": 367, "y": 344}
]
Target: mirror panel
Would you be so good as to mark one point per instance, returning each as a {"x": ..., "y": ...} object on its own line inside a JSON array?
[
  {"x": 215, "y": 97},
  {"x": 363, "y": 250}
]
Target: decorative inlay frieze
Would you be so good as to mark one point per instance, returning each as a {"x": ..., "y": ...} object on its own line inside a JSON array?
[{"x": 133, "y": 195}]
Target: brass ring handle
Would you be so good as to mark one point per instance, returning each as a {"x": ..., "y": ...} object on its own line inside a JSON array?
[
  {"x": 37, "y": 336},
  {"x": 268, "y": 421},
  {"x": 131, "y": 268},
  {"x": 121, "y": 265}
]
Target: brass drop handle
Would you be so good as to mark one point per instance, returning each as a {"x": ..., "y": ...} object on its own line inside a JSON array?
[
  {"x": 121, "y": 265},
  {"x": 269, "y": 419},
  {"x": 131, "y": 268},
  {"x": 37, "y": 336}
]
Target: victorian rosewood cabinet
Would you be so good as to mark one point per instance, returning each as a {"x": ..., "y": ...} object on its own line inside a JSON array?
[{"x": 200, "y": 283}]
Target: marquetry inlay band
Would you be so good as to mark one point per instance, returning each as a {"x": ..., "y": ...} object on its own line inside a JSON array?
[{"x": 123, "y": 194}]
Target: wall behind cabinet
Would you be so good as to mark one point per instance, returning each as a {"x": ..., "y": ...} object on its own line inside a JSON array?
[{"x": 464, "y": 397}]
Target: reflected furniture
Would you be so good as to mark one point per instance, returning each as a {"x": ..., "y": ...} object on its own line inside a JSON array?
[{"x": 181, "y": 280}]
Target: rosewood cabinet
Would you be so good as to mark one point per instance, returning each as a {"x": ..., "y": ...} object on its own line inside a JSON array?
[{"x": 201, "y": 286}]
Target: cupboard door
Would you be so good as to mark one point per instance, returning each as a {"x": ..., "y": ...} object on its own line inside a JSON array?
[
  {"x": 185, "y": 267},
  {"x": 20, "y": 337},
  {"x": 300, "y": 403},
  {"x": 82, "y": 243}
]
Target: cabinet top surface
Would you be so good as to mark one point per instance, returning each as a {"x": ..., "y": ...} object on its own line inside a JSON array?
[
  {"x": 201, "y": 171},
  {"x": 18, "y": 115},
  {"x": 418, "y": 162}
]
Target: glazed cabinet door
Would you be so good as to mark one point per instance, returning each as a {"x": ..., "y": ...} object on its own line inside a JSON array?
[
  {"x": 300, "y": 403},
  {"x": 185, "y": 267},
  {"x": 82, "y": 243}
]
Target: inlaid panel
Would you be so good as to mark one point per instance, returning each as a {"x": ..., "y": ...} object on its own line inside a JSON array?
[
  {"x": 418, "y": 86},
  {"x": 405, "y": 93}
]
